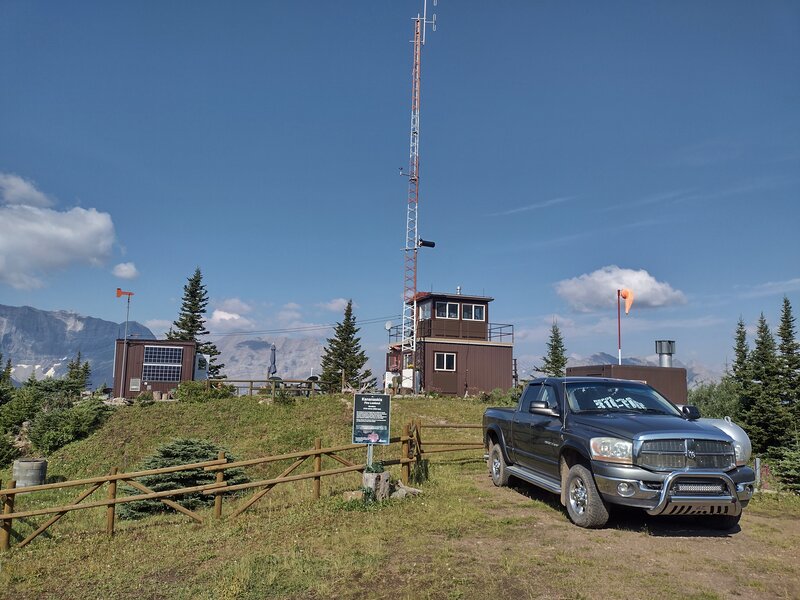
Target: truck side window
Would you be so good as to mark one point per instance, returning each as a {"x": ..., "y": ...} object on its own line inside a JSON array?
[
  {"x": 549, "y": 396},
  {"x": 531, "y": 393}
]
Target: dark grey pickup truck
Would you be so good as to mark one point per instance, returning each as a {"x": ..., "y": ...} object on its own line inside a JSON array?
[{"x": 601, "y": 441}]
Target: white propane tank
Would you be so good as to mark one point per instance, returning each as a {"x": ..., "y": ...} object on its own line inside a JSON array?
[{"x": 740, "y": 440}]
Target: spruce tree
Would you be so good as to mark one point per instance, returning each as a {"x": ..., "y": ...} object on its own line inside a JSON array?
[
  {"x": 191, "y": 323},
  {"x": 789, "y": 362},
  {"x": 78, "y": 373},
  {"x": 343, "y": 353},
  {"x": 6, "y": 386},
  {"x": 766, "y": 420},
  {"x": 740, "y": 370},
  {"x": 555, "y": 361}
]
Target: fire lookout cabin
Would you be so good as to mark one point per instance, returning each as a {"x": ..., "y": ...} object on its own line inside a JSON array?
[{"x": 458, "y": 351}]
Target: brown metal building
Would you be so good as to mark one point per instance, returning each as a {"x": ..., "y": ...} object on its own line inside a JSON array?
[
  {"x": 153, "y": 365},
  {"x": 458, "y": 350},
  {"x": 670, "y": 381}
]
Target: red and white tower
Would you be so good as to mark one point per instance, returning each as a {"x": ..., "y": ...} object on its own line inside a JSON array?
[{"x": 409, "y": 329}]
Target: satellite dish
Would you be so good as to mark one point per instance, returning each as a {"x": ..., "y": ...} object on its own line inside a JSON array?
[{"x": 387, "y": 326}]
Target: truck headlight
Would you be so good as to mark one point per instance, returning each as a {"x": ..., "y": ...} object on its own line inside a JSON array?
[{"x": 610, "y": 449}]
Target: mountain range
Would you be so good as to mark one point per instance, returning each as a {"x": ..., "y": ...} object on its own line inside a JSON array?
[{"x": 43, "y": 342}]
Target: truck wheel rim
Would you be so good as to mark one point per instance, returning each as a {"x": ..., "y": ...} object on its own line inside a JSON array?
[
  {"x": 577, "y": 495},
  {"x": 496, "y": 467}
]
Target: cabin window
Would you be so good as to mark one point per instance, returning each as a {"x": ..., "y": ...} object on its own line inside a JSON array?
[
  {"x": 424, "y": 311},
  {"x": 473, "y": 312},
  {"x": 447, "y": 310},
  {"x": 445, "y": 361}
]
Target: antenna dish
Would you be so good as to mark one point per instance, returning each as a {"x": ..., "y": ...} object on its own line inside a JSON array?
[{"x": 387, "y": 326}]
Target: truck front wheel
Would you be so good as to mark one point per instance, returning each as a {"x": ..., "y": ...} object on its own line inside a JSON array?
[
  {"x": 497, "y": 466},
  {"x": 585, "y": 506}
]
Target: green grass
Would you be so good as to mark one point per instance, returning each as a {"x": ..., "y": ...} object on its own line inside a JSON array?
[{"x": 462, "y": 538}]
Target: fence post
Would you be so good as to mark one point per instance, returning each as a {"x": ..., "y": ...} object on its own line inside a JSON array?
[
  {"x": 111, "y": 508},
  {"x": 8, "y": 508},
  {"x": 218, "y": 497},
  {"x": 317, "y": 467},
  {"x": 273, "y": 390},
  {"x": 250, "y": 389},
  {"x": 405, "y": 467}
]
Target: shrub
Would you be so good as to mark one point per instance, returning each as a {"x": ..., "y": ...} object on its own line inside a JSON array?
[
  {"x": 145, "y": 398},
  {"x": 195, "y": 391},
  {"x": 178, "y": 452},
  {"x": 56, "y": 428},
  {"x": 7, "y": 451},
  {"x": 27, "y": 401},
  {"x": 788, "y": 468},
  {"x": 498, "y": 397}
]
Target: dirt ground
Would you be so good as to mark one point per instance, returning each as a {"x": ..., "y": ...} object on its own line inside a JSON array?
[{"x": 544, "y": 555}]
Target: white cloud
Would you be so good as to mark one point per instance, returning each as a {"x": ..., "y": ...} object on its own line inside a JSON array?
[
  {"x": 235, "y": 305},
  {"x": 14, "y": 190},
  {"x": 771, "y": 288},
  {"x": 159, "y": 327},
  {"x": 534, "y": 206},
  {"x": 336, "y": 305},
  {"x": 223, "y": 321},
  {"x": 125, "y": 271},
  {"x": 35, "y": 241},
  {"x": 598, "y": 290}
]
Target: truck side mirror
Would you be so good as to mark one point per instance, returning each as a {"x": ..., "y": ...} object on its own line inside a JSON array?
[
  {"x": 542, "y": 408},
  {"x": 691, "y": 412}
]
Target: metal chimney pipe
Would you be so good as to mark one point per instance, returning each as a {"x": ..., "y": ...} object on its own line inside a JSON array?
[
  {"x": 665, "y": 349},
  {"x": 458, "y": 290}
]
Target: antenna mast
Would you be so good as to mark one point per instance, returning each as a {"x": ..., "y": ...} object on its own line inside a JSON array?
[{"x": 409, "y": 332}]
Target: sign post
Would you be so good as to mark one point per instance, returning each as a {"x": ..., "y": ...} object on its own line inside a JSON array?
[{"x": 371, "y": 414}]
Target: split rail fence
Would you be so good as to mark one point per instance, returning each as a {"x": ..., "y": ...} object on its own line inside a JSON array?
[{"x": 413, "y": 450}]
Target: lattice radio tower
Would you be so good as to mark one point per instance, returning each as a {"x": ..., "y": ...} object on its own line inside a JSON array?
[{"x": 409, "y": 330}]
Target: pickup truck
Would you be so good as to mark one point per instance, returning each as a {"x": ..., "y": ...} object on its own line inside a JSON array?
[{"x": 599, "y": 442}]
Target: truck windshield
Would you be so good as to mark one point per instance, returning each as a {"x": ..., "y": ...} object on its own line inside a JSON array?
[{"x": 618, "y": 397}]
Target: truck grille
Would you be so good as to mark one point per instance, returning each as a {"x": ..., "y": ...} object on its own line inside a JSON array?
[{"x": 667, "y": 455}]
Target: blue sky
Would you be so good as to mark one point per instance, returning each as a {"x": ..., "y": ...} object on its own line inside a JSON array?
[{"x": 567, "y": 149}]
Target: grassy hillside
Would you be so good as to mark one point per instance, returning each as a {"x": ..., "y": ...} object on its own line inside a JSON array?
[{"x": 462, "y": 538}]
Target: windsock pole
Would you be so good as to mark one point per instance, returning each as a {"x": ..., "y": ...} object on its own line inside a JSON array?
[{"x": 619, "y": 329}]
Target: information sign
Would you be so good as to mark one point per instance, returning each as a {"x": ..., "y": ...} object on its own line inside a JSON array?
[{"x": 371, "y": 419}]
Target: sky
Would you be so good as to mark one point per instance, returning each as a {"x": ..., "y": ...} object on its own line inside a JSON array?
[{"x": 568, "y": 149}]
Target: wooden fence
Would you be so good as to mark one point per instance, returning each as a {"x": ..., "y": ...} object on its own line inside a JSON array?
[
  {"x": 412, "y": 450},
  {"x": 269, "y": 387}
]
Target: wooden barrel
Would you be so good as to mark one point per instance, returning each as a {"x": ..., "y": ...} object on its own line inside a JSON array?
[{"x": 29, "y": 471}]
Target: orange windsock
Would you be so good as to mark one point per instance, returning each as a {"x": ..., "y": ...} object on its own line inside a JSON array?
[
  {"x": 120, "y": 293},
  {"x": 628, "y": 295}
]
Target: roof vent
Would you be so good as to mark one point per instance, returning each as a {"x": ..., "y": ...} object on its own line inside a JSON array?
[
  {"x": 665, "y": 349},
  {"x": 458, "y": 290}
]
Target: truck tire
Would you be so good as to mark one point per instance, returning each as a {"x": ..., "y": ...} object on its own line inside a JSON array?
[
  {"x": 497, "y": 466},
  {"x": 722, "y": 523},
  {"x": 585, "y": 506}
]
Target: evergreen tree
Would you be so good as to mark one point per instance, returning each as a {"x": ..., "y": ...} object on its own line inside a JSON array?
[
  {"x": 343, "y": 353},
  {"x": 78, "y": 373},
  {"x": 766, "y": 420},
  {"x": 6, "y": 387},
  {"x": 789, "y": 362},
  {"x": 740, "y": 370},
  {"x": 555, "y": 361},
  {"x": 191, "y": 323},
  {"x": 5, "y": 374}
]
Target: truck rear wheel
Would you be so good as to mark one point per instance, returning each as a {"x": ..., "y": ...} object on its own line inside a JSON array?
[
  {"x": 497, "y": 466},
  {"x": 585, "y": 506}
]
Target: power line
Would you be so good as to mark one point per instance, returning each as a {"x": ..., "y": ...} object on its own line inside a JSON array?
[{"x": 370, "y": 321}]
